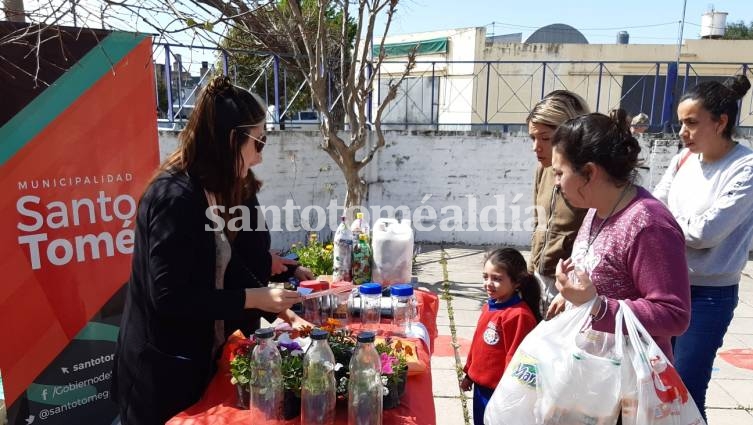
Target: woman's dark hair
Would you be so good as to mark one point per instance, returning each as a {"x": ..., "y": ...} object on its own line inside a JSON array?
[
  {"x": 721, "y": 98},
  {"x": 619, "y": 114},
  {"x": 598, "y": 139},
  {"x": 210, "y": 144},
  {"x": 512, "y": 261}
]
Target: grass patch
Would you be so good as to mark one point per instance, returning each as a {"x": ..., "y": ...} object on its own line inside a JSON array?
[{"x": 446, "y": 296}]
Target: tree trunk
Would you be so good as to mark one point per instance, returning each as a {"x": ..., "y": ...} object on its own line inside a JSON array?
[
  {"x": 356, "y": 189},
  {"x": 14, "y": 10}
]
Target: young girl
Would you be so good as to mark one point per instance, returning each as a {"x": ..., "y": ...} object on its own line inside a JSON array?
[{"x": 506, "y": 318}]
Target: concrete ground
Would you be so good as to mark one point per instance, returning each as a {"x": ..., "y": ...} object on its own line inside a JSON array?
[{"x": 454, "y": 274}]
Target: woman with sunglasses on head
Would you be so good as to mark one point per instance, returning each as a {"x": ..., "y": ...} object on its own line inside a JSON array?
[
  {"x": 709, "y": 189},
  {"x": 556, "y": 222},
  {"x": 615, "y": 253},
  {"x": 189, "y": 276}
]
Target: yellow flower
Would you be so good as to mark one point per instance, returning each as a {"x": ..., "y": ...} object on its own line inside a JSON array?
[{"x": 328, "y": 247}]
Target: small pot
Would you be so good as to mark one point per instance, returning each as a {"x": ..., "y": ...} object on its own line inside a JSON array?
[
  {"x": 391, "y": 400},
  {"x": 244, "y": 396},
  {"x": 291, "y": 405}
]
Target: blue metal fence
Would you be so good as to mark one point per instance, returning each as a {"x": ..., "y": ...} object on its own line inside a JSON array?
[{"x": 466, "y": 95}]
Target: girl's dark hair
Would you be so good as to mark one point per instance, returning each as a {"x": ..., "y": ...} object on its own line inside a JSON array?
[
  {"x": 721, "y": 98},
  {"x": 512, "y": 261},
  {"x": 210, "y": 144},
  {"x": 598, "y": 139}
]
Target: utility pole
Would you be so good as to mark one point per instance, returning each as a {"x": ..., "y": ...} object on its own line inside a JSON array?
[
  {"x": 14, "y": 10},
  {"x": 682, "y": 27},
  {"x": 669, "y": 87}
]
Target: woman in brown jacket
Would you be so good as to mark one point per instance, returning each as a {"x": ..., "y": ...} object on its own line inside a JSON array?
[{"x": 556, "y": 223}]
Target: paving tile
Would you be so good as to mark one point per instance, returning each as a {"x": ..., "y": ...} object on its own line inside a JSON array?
[
  {"x": 471, "y": 304},
  {"x": 462, "y": 318},
  {"x": 445, "y": 383},
  {"x": 718, "y": 397},
  {"x": 449, "y": 411},
  {"x": 739, "y": 390},
  {"x": 443, "y": 362},
  {"x": 465, "y": 332},
  {"x": 729, "y": 417},
  {"x": 746, "y": 340},
  {"x": 741, "y": 325},
  {"x": 724, "y": 370},
  {"x": 743, "y": 310}
]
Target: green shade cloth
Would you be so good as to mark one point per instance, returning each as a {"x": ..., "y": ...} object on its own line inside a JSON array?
[{"x": 425, "y": 47}]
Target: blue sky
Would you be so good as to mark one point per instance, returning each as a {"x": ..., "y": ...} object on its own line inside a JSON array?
[{"x": 647, "y": 21}]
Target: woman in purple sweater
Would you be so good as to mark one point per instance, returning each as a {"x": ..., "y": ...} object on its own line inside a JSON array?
[{"x": 629, "y": 246}]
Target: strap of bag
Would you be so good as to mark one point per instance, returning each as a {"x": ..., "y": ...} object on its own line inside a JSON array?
[
  {"x": 639, "y": 337},
  {"x": 682, "y": 160}
]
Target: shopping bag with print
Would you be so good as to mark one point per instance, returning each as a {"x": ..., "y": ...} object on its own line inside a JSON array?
[
  {"x": 562, "y": 372},
  {"x": 659, "y": 396}
]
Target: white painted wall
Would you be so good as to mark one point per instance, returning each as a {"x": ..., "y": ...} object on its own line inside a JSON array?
[
  {"x": 466, "y": 99},
  {"x": 456, "y": 96},
  {"x": 438, "y": 170}
]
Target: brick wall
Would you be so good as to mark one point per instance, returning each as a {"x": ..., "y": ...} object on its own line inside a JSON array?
[{"x": 452, "y": 174}]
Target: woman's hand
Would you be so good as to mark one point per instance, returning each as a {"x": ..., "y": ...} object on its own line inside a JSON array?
[
  {"x": 556, "y": 307},
  {"x": 466, "y": 384},
  {"x": 298, "y": 322},
  {"x": 303, "y": 273},
  {"x": 295, "y": 321},
  {"x": 280, "y": 264},
  {"x": 578, "y": 292},
  {"x": 271, "y": 299}
]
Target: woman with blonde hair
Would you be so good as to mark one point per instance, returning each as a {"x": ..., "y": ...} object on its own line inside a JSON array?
[{"x": 556, "y": 222}]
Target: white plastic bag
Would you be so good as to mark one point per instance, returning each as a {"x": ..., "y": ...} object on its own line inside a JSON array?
[
  {"x": 659, "y": 396},
  {"x": 392, "y": 246},
  {"x": 562, "y": 373}
]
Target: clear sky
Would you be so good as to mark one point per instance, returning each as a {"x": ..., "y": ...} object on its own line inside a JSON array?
[{"x": 647, "y": 21}]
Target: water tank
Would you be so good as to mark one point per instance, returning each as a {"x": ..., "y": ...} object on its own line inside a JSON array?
[
  {"x": 713, "y": 24},
  {"x": 623, "y": 37}
]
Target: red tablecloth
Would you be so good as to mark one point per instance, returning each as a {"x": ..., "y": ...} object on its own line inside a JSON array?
[{"x": 217, "y": 406}]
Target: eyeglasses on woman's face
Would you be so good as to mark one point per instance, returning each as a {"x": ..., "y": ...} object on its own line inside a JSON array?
[{"x": 259, "y": 142}]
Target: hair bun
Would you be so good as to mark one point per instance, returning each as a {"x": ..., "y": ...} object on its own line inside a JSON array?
[
  {"x": 739, "y": 84},
  {"x": 219, "y": 85},
  {"x": 619, "y": 117}
]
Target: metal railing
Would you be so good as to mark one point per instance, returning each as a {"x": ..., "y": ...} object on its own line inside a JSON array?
[{"x": 458, "y": 95}]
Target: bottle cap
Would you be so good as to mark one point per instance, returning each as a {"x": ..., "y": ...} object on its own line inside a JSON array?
[
  {"x": 314, "y": 285},
  {"x": 319, "y": 334},
  {"x": 366, "y": 337},
  {"x": 402, "y": 290},
  {"x": 370, "y": 289},
  {"x": 264, "y": 333},
  {"x": 340, "y": 284}
]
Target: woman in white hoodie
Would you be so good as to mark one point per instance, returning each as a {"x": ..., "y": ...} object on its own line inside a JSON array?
[{"x": 708, "y": 187}]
